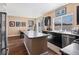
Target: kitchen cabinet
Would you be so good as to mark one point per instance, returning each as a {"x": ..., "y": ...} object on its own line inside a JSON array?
[
  {"x": 61, "y": 39},
  {"x": 77, "y": 15},
  {"x": 67, "y": 39},
  {"x": 56, "y": 39},
  {"x": 47, "y": 21}
]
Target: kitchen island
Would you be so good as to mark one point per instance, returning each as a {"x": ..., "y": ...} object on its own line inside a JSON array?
[{"x": 35, "y": 42}]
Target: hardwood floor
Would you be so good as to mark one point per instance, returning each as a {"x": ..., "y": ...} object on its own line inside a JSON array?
[{"x": 16, "y": 47}]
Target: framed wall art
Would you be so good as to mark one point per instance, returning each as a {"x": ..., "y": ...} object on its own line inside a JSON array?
[
  {"x": 31, "y": 23},
  {"x": 18, "y": 24},
  {"x": 60, "y": 12},
  {"x": 23, "y": 24},
  {"x": 12, "y": 23}
]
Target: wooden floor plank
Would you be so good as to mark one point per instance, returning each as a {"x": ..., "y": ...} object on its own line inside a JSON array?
[{"x": 16, "y": 47}]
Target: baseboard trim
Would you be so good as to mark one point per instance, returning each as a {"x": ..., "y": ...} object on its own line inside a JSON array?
[{"x": 13, "y": 35}]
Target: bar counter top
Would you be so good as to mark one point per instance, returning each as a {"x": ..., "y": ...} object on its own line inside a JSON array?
[
  {"x": 33, "y": 34},
  {"x": 63, "y": 32}
]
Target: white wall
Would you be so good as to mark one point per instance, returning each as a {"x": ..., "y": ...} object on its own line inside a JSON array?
[{"x": 3, "y": 7}]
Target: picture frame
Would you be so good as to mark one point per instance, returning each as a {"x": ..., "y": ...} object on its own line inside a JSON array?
[
  {"x": 18, "y": 24},
  {"x": 60, "y": 12},
  {"x": 23, "y": 24},
  {"x": 12, "y": 23},
  {"x": 31, "y": 23}
]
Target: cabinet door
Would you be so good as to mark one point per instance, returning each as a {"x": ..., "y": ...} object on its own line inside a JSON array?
[
  {"x": 67, "y": 39},
  {"x": 64, "y": 40},
  {"x": 56, "y": 39},
  {"x": 77, "y": 15},
  {"x": 71, "y": 38}
]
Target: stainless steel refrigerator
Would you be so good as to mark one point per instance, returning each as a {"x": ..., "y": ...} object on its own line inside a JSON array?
[{"x": 3, "y": 38}]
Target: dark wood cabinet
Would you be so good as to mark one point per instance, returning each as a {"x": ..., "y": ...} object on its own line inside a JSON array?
[
  {"x": 67, "y": 39},
  {"x": 56, "y": 39},
  {"x": 47, "y": 21},
  {"x": 77, "y": 15}
]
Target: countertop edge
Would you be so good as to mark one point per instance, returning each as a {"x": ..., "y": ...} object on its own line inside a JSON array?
[{"x": 36, "y": 36}]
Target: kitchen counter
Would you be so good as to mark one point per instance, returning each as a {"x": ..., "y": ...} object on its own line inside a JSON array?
[
  {"x": 72, "y": 49},
  {"x": 33, "y": 34},
  {"x": 62, "y": 38},
  {"x": 64, "y": 32},
  {"x": 67, "y": 47},
  {"x": 35, "y": 42}
]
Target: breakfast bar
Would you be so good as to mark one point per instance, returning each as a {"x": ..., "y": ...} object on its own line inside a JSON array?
[{"x": 35, "y": 42}]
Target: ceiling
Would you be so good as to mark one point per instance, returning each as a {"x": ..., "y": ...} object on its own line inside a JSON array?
[{"x": 31, "y": 9}]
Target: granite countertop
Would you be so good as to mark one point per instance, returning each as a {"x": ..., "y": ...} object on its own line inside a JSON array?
[
  {"x": 33, "y": 34},
  {"x": 72, "y": 49},
  {"x": 65, "y": 32}
]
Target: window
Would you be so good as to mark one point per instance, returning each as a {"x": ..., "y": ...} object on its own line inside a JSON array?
[
  {"x": 63, "y": 22},
  {"x": 57, "y": 23},
  {"x": 67, "y": 22}
]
